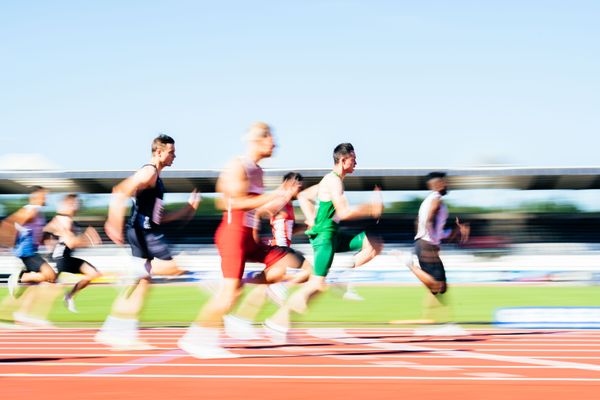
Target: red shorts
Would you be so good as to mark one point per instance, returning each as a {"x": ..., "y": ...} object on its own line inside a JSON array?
[{"x": 236, "y": 246}]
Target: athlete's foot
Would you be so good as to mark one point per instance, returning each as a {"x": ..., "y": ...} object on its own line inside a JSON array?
[
  {"x": 203, "y": 342},
  {"x": 239, "y": 328},
  {"x": 204, "y": 351},
  {"x": 121, "y": 343},
  {"x": 278, "y": 293},
  {"x": 13, "y": 283},
  {"x": 406, "y": 258},
  {"x": 70, "y": 304},
  {"x": 352, "y": 295},
  {"x": 442, "y": 330},
  {"x": 30, "y": 321},
  {"x": 278, "y": 334}
]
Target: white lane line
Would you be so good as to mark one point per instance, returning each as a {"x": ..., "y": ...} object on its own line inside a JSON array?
[
  {"x": 348, "y": 357},
  {"x": 493, "y": 357},
  {"x": 243, "y": 345},
  {"x": 374, "y": 364},
  {"x": 491, "y": 375},
  {"x": 341, "y": 335},
  {"x": 300, "y": 377},
  {"x": 322, "y": 350}
]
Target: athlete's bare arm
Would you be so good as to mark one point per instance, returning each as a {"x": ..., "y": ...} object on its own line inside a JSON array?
[
  {"x": 186, "y": 212},
  {"x": 89, "y": 237},
  {"x": 307, "y": 199},
  {"x": 143, "y": 178},
  {"x": 23, "y": 215},
  {"x": 332, "y": 187},
  {"x": 233, "y": 183}
]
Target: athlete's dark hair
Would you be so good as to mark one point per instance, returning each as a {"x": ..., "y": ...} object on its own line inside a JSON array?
[
  {"x": 435, "y": 175},
  {"x": 161, "y": 140},
  {"x": 342, "y": 150},
  {"x": 293, "y": 176},
  {"x": 70, "y": 196},
  {"x": 36, "y": 188}
]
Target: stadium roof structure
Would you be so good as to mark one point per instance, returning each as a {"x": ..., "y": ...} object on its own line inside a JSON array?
[{"x": 401, "y": 179}]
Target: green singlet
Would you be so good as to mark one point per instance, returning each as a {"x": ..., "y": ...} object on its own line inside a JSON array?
[{"x": 326, "y": 240}]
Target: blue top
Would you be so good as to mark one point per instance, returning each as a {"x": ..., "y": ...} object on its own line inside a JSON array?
[{"x": 29, "y": 235}]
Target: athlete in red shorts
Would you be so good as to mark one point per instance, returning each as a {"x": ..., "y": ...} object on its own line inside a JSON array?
[{"x": 242, "y": 187}]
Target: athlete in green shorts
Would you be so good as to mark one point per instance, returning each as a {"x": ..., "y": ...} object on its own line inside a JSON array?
[{"x": 324, "y": 206}]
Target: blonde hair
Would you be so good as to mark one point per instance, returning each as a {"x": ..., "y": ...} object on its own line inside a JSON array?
[{"x": 257, "y": 131}]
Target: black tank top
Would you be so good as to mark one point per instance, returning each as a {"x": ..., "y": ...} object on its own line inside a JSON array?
[
  {"x": 147, "y": 207},
  {"x": 61, "y": 249}
]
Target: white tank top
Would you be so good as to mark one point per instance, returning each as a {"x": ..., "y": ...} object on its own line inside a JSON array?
[{"x": 435, "y": 234}]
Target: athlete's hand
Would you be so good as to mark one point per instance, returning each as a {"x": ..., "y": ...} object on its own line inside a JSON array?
[
  {"x": 285, "y": 191},
  {"x": 114, "y": 231},
  {"x": 309, "y": 223},
  {"x": 376, "y": 203},
  {"x": 195, "y": 199},
  {"x": 464, "y": 229}
]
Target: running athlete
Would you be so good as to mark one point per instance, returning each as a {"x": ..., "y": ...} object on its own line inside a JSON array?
[
  {"x": 29, "y": 223},
  {"x": 431, "y": 222},
  {"x": 70, "y": 237},
  {"x": 241, "y": 184},
  {"x": 325, "y": 235},
  {"x": 282, "y": 223},
  {"x": 145, "y": 237}
]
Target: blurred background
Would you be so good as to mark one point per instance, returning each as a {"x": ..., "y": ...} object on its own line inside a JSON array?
[{"x": 501, "y": 95}]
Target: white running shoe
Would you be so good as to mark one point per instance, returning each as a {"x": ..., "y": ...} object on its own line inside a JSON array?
[
  {"x": 204, "y": 351},
  {"x": 32, "y": 321},
  {"x": 13, "y": 282},
  {"x": 441, "y": 330},
  {"x": 278, "y": 334},
  {"x": 119, "y": 343},
  {"x": 352, "y": 295},
  {"x": 278, "y": 293},
  {"x": 239, "y": 328},
  {"x": 70, "y": 304}
]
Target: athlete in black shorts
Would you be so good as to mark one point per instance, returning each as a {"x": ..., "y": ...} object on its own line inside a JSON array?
[
  {"x": 144, "y": 235},
  {"x": 71, "y": 236},
  {"x": 431, "y": 222}
]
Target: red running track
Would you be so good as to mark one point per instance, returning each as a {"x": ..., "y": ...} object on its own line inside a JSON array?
[{"x": 321, "y": 363}]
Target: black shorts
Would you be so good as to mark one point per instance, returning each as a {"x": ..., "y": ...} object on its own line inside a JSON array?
[
  {"x": 148, "y": 244},
  {"x": 71, "y": 265},
  {"x": 33, "y": 263},
  {"x": 429, "y": 260}
]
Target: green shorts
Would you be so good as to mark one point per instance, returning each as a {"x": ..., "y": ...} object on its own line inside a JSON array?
[{"x": 325, "y": 245}]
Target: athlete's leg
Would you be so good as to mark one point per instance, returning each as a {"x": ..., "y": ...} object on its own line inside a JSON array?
[
  {"x": 89, "y": 274},
  {"x": 45, "y": 274},
  {"x": 432, "y": 274},
  {"x": 166, "y": 267},
  {"x": 367, "y": 247},
  {"x": 435, "y": 307},
  {"x": 120, "y": 329},
  {"x": 211, "y": 315},
  {"x": 302, "y": 275},
  {"x": 371, "y": 247},
  {"x": 275, "y": 272},
  {"x": 298, "y": 301},
  {"x": 324, "y": 251}
]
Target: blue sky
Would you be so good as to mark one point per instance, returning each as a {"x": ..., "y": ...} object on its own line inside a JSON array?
[{"x": 411, "y": 84}]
